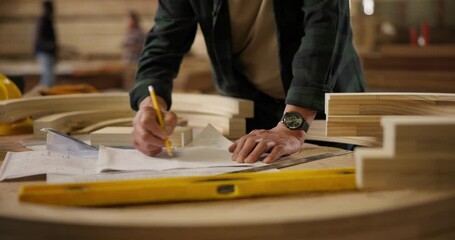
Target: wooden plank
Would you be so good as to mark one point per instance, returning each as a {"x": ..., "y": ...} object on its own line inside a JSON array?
[
  {"x": 122, "y": 136},
  {"x": 212, "y": 104},
  {"x": 11, "y": 110},
  {"x": 416, "y": 151},
  {"x": 354, "y": 126},
  {"x": 358, "y": 114},
  {"x": 318, "y": 130}
]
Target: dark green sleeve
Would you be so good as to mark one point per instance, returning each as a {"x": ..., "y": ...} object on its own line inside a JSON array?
[
  {"x": 166, "y": 43},
  {"x": 326, "y": 59}
]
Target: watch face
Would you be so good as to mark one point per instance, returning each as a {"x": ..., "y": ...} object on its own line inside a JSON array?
[{"x": 292, "y": 120}]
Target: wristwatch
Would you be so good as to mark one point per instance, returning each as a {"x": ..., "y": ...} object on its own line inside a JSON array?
[{"x": 294, "y": 120}]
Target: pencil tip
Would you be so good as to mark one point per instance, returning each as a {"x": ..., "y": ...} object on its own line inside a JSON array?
[{"x": 150, "y": 88}]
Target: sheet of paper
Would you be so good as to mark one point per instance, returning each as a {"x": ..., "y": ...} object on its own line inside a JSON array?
[
  {"x": 21, "y": 164},
  {"x": 209, "y": 136},
  {"x": 208, "y": 149},
  {"x": 188, "y": 157},
  {"x": 121, "y": 175}
]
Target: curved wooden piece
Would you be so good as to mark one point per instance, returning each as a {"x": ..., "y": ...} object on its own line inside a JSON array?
[
  {"x": 118, "y": 122},
  {"x": 69, "y": 121},
  {"x": 11, "y": 110}
]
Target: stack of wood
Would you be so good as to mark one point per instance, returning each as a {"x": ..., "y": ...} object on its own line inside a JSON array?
[
  {"x": 418, "y": 152},
  {"x": 359, "y": 114},
  {"x": 84, "y": 113}
]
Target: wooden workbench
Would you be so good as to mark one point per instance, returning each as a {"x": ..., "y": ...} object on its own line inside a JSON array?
[{"x": 401, "y": 214}]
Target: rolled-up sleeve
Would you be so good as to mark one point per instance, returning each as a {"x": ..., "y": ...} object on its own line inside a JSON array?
[
  {"x": 325, "y": 50},
  {"x": 164, "y": 47}
]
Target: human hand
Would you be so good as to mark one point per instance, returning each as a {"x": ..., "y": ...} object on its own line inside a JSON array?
[
  {"x": 148, "y": 136},
  {"x": 278, "y": 141}
]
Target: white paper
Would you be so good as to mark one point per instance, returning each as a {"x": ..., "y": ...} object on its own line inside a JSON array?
[
  {"x": 21, "y": 164},
  {"x": 209, "y": 136},
  {"x": 208, "y": 149},
  {"x": 191, "y": 157},
  {"x": 112, "y": 176},
  {"x": 207, "y": 155}
]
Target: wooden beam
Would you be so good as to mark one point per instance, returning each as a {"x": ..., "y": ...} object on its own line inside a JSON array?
[
  {"x": 212, "y": 104},
  {"x": 417, "y": 151},
  {"x": 318, "y": 130},
  {"x": 358, "y": 114}
]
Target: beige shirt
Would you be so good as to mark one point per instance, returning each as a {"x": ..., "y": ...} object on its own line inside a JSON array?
[{"x": 254, "y": 39}]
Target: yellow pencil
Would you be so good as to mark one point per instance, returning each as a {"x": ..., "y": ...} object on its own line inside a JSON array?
[{"x": 160, "y": 118}]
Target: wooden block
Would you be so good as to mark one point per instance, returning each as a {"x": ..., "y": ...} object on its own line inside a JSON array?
[
  {"x": 212, "y": 104},
  {"x": 417, "y": 151},
  {"x": 121, "y": 136},
  {"x": 230, "y": 127}
]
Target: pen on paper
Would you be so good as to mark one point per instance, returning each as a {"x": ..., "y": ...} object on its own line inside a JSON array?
[{"x": 160, "y": 118}]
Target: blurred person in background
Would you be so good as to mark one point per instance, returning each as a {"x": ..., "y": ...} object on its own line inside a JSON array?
[
  {"x": 46, "y": 46},
  {"x": 132, "y": 48}
]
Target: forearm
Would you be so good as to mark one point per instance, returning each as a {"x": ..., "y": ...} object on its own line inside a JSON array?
[{"x": 323, "y": 54}]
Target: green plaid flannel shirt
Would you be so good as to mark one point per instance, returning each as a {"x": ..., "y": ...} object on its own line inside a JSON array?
[{"x": 316, "y": 50}]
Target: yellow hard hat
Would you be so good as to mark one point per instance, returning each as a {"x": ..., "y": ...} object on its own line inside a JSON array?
[{"x": 9, "y": 90}]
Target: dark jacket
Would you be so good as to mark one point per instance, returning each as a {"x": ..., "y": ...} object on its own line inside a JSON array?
[
  {"x": 45, "y": 38},
  {"x": 316, "y": 51}
]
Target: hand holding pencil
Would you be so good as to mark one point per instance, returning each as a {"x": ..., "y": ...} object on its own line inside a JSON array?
[
  {"x": 152, "y": 126},
  {"x": 160, "y": 118}
]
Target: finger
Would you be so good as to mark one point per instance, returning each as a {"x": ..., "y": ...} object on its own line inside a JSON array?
[
  {"x": 144, "y": 137},
  {"x": 170, "y": 120},
  {"x": 238, "y": 147},
  {"x": 260, "y": 148},
  {"x": 147, "y": 150},
  {"x": 149, "y": 121},
  {"x": 246, "y": 149},
  {"x": 276, "y": 153},
  {"x": 233, "y": 146}
]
